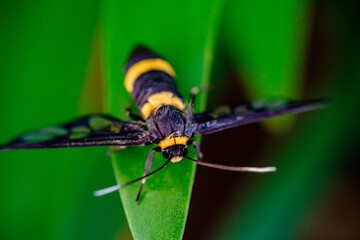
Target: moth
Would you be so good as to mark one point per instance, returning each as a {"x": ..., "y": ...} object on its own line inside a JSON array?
[{"x": 165, "y": 121}]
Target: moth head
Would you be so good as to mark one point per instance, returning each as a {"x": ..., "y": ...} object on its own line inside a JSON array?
[{"x": 175, "y": 152}]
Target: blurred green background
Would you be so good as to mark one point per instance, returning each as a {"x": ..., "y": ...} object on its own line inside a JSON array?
[{"x": 62, "y": 60}]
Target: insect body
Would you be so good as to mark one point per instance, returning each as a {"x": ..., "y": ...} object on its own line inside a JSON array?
[
  {"x": 166, "y": 121},
  {"x": 150, "y": 81}
]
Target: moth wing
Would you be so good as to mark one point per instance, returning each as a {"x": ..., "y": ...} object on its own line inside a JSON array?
[
  {"x": 225, "y": 117},
  {"x": 92, "y": 130}
]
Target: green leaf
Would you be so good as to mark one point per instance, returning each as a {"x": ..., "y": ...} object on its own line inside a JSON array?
[
  {"x": 311, "y": 164},
  {"x": 307, "y": 163},
  {"x": 184, "y": 33},
  {"x": 266, "y": 42},
  {"x": 47, "y": 194}
]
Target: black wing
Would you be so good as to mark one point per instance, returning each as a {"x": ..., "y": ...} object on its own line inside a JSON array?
[
  {"x": 92, "y": 130},
  {"x": 225, "y": 117}
]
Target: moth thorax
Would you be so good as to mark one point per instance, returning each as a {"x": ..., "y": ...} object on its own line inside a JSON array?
[{"x": 171, "y": 141}]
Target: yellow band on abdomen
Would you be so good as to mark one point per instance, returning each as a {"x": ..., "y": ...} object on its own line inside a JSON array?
[
  {"x": 168, "y": 142},
  {"x": 145, "y": 66},
  {"x": 159, "y": 99}
]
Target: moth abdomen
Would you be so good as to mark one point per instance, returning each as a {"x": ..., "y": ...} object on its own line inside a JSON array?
[{"x": 150, "y": 80}]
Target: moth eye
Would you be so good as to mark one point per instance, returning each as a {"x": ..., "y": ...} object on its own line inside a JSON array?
[
  {"x": 166, "y": 154},
  {"x": 185, "y": 151}
]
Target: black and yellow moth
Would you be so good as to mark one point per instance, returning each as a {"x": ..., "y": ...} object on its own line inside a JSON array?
[{"x": 165, "y": 120}]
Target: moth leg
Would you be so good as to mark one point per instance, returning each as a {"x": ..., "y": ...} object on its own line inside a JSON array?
[
  {"x": 148, "y": 163},
  {"x": 197, "y": 148},
  {"x": 114, "y": 149},
  {"x": 195, "y": 91},
  {"x": 132, "y": 115}
]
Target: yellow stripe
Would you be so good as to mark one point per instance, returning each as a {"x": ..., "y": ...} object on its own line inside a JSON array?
[
  {"x": 145, "y": 66},
  {"x": 159, "y": 99},
  {"x": 168, "y": 142}
]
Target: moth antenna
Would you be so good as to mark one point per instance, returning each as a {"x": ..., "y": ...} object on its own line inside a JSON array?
[
  {"x": 106, "y": 190},
  {"x": 234, "y": 168},
  {"x": 117, "y": 187}
]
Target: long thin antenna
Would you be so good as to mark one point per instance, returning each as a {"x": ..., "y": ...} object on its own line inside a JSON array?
[
  {"x": 234, "y": 168},
  {"x": 117, "y": 187}
]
